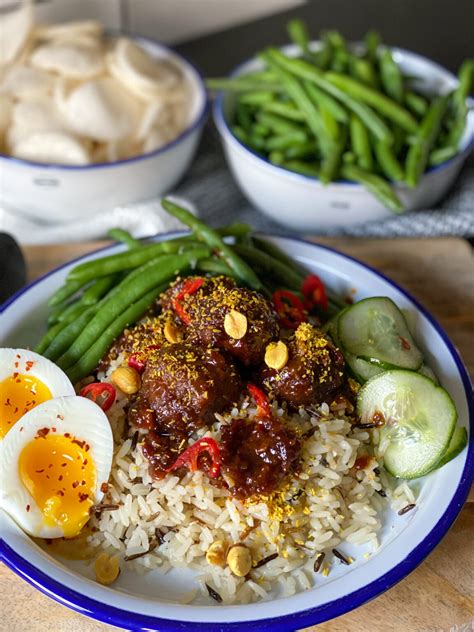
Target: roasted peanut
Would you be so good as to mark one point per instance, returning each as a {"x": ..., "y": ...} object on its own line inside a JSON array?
[
  {"x": 127, "y": 379},
  {"x": 239, "y": 560},
  {"x": 216, "y": 553},
  {"x": 107, "y": 568},
  {"x": 276, "y": 355},
  {"x": 173, "y": 334},
  {"x": 235, "y": 324}
]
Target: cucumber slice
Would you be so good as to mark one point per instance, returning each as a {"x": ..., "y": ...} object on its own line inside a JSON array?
[
  {"x": 331, "y": 327},
  {"x": 362, "y": 369},
  {"x": 376, "y": 330},
  {"x": 420, "y": 418},
  {"x": 456, "y": 445}
]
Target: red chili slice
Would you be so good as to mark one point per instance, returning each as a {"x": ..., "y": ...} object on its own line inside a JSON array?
[
  {"x": 290, "y": 309},
  {"x": 189, "y": 458},
  {"x": 138, "y": 361},
  {"x": 314, "y": 291},
  {"x": 102, "y": 393},
  {"x": 191, "y": 286},
  {"x": 264, "y": 410}
]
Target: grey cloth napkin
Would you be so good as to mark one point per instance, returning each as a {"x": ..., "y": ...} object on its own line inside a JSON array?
[{"x": 210, "y": 188}]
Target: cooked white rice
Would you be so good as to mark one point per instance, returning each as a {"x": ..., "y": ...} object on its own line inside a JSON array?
[{"x": 327, "y": 503}]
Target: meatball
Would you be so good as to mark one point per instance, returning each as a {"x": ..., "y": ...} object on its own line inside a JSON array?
[
  {"x": 168, "y": 298},
  {"x": 182, "y": 387},
  {"x": 138, "y": 340},
  {"x": 314, "y": 370},
  {"x": 207, "y": 325},
  {"x": 257, "y": 455}
]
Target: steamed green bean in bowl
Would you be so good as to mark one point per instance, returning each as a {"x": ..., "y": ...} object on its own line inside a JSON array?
[{"x": 340, "y": 112}]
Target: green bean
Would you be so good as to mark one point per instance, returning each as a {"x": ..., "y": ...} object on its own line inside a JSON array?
[
  {"x": 66, "y": 291},
  {"x": 349, "y": 158},
  {"x": 284, "y": 141},
  {"x": 257, "y": 142},
  {"x": 391, "y": 76},
  {"x": 418, "y": 153},
  {"x": 281, "y": 125},
  {"x": 276, "y": 157},
  {"x": 388, "y": 162},
  {"x": 71, "y": 312},
  {"x": 98, "y": 289},
  {"x": 239, "y": 230},
  {"x": 389, "y": 108},
  {"x": 274, "y": 251},
  {"x": 304, "y": 168},
  {"x": 240, "y": 133},
  {"x": 270, "y": 266},
  {"x": 211, "y": 238},
  {"x": 240, "y": 84},
  {"x": 260, "y": 130},
  {"x": 375, "y": 184},
  {"x": 363, "y": 70},
  {"x": 257, "y": 98},
  {"x": 298, "y": 33},
  {"x": 287, "y": 110},
  {"x": 49, "y": 337},
  {"x": 372, "y": 43},
  {"x": 123, "y": 260},
  {"x": 214, "y": 266},
  {"x": 322, "y": 99},
  {"x": 465, "y": 76},
  {"x": 304, "y": 70},
  {"x": 65, "y": 337},
  {"x": 302, "y": 151},
  {"x": 243, "y": 116},
  {"x": 361, "y": 144},
  {"x": 124, "y": 237},
  {"x": 331, "y": 162},
  {"x": 340, "y": 61},
  {"x": 329, "y": 121},
  {"x": 87, "y": 362},
  {"x": 302, "y": 100},
  {"x": 131, "y": 289},
  {"x": 442, "y": 154},
  {"x": 322, "y": 57},
  {"x": 416, "y": 103}
]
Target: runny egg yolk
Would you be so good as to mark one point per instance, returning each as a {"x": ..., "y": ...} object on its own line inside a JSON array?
[
  {"x": 58, "y": 472},
  {"x": 19, "y": 394}
]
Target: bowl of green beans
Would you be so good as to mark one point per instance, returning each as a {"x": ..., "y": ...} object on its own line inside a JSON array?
[{"x": 322, "y": 134}]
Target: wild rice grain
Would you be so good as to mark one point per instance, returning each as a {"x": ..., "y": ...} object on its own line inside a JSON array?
[
  {"x": 265, "y": 560},
  {"x": 406, "y": 509},
  {"x": 318, "y": 562},
  {"x": 133, "y": 445},
  {"x": 97, "y": 509},
  {"x": 214, "y": 594},
  {"x": 381, "y": 492},
  {"x": 341, "y": 557},
  {"x": 152, "y": 547}
]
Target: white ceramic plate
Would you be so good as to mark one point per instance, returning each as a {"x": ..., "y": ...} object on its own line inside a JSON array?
[{"x": 150, "y": 602}]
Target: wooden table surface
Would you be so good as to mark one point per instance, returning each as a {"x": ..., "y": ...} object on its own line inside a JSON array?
[{"x": 439, "y": 594}]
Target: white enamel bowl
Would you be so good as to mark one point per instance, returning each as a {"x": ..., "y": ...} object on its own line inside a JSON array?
[
  {"x": 305, "y": 204},
  {"x": 151, "y": 602},
  {"x": 61, "y": 193}
]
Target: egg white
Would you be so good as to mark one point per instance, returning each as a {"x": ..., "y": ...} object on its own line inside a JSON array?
[
  {"x": 15, "y": 361},
  {"x": 75, "y": 415}
]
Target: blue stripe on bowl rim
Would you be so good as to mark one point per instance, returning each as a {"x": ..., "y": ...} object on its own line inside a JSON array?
[
  {"x": 192, "y": 127},
  {"x": 330, "y": 610},
  {"x": 225, "y": 129}
]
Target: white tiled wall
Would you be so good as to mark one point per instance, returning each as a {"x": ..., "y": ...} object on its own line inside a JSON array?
[{"x": 167, "y": 20}]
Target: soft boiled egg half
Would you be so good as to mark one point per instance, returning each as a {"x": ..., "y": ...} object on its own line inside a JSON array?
[
  {"x": 26, "y": 380},
  {"x": 54, "y": 463}
]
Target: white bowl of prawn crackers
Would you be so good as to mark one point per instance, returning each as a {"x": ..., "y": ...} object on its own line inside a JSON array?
[
  {"x": 292, "y": 589},
  {"x": 79, "y": 161}
]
